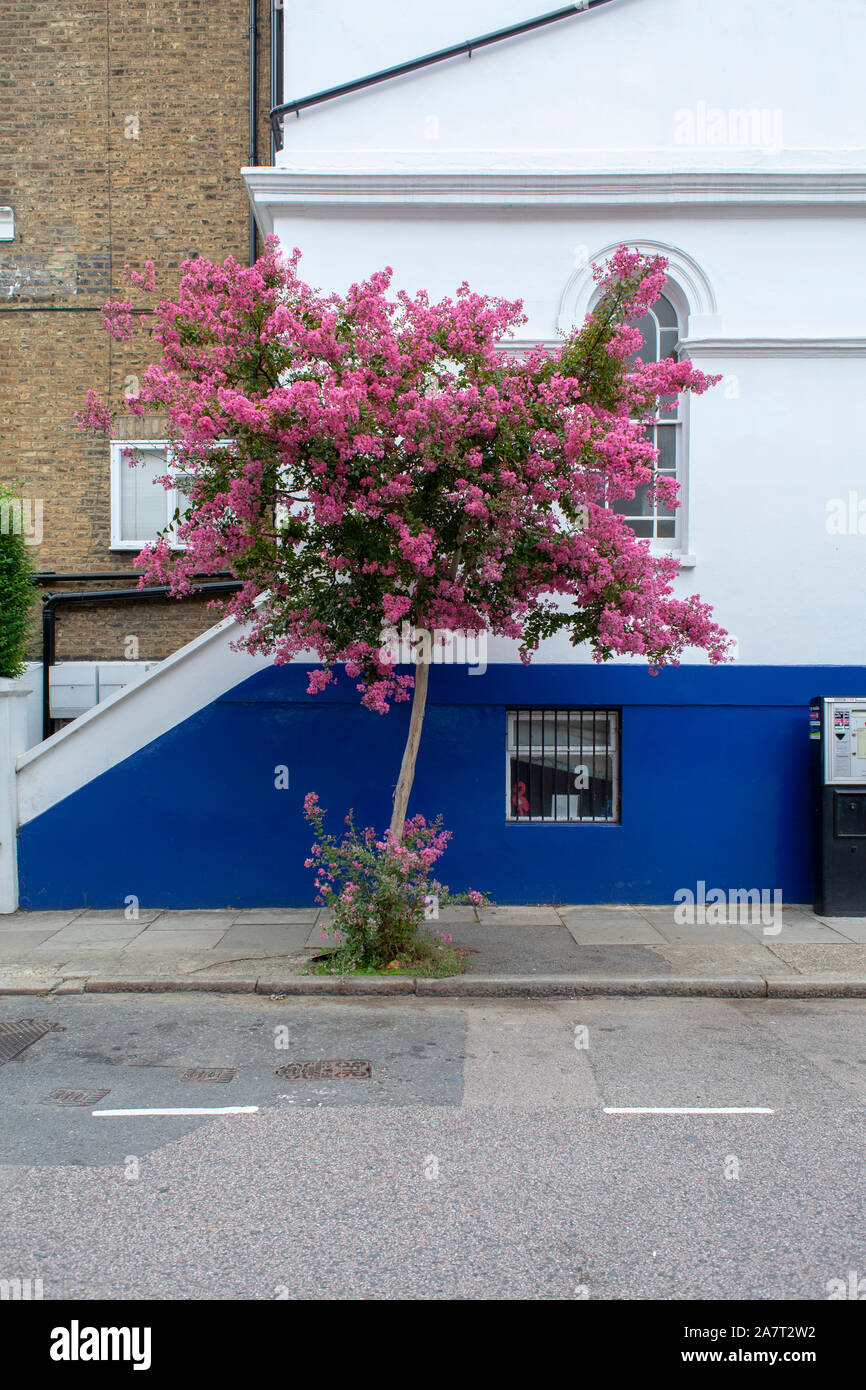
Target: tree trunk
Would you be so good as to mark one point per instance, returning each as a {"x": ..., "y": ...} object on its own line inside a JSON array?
[{"x": 410, "y": 752}]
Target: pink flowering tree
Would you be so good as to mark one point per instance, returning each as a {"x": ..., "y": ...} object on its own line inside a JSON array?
[{"x": 362, "y": 460}]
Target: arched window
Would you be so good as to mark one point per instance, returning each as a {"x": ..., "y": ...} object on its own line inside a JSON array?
[{"x": 647, "y": 516}]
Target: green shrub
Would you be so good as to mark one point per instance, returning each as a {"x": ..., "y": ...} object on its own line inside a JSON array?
[{"x": 16, "y": 590}]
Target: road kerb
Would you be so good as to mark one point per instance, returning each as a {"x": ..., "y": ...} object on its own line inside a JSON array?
[{"x": 817, "y": 986}]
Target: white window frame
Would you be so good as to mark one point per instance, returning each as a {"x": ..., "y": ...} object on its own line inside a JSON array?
[
  {"x": 679, "y": 545},
  {"x": 173, "y": 496},
  {"x": 610, "y": 749},
  {"x": 672, "y": 421}
]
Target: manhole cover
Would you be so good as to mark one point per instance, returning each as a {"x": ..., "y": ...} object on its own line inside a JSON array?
[
  {"x": 74, "y": 1097},
  {"x": 14, "y": 1037},
  {"x": 209, "y": 1074},
  {"x": 348, "y": 1069}
]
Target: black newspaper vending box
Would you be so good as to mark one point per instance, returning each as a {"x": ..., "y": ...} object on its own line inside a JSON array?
[{"x": 837, "y": 734}]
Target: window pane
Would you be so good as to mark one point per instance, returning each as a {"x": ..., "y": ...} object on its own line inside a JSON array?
[
  {"x": 143, "y": 502},
  {"x": 650, "y": 350},
  {"x": 666, "y": 443},
  {"x": 550, "y": 729},
  {"x": 637, "y": 506},
  {"x": 568, "y": 772},
  {"x": 665, "y": 312},
  {"x": 668, "y": 339},
  {"x": 183, "y": 483}
]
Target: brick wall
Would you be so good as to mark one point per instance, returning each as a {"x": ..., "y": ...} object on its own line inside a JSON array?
[{"x": 123, "y": 132}]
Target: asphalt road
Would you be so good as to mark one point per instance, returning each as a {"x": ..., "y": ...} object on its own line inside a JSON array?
[{"x": 478, "y": 1161}]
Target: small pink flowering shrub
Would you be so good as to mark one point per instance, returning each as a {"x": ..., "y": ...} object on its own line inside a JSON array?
[{"x": 379, "y": 889}]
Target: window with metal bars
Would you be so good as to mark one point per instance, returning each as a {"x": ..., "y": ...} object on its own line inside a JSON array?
[{"x": 562, "y": 765}]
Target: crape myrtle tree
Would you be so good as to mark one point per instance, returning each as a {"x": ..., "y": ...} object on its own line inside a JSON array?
[{"x": 362, "y": 460}]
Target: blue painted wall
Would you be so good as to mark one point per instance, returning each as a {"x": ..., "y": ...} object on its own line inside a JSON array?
[{"x": 715, "y": 786}]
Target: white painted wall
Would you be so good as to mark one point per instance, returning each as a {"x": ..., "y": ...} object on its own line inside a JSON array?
[
  {"x": 612, "y": 80},
  {"x": 510, "y": 168}
]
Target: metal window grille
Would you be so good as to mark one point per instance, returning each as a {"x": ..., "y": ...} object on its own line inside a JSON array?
[{"x": 562, "y": 765}]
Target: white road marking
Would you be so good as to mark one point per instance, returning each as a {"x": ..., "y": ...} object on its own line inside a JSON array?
[
  {"x": 185, "y": 1110},
  {"x": 688, "y": 1110}
]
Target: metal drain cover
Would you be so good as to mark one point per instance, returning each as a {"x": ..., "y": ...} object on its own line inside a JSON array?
[
  {"x": 209, "y": 1074},
  {"x": 74, "y": 1097},
  {"x": 14, "y": 1037},
  {"x": 344, "y": 1069}
]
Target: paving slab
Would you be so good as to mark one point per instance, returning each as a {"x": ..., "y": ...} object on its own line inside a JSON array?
[
  {"x": 198, "y": 940},
  {"x": 519, "y": 916},
  {"x": 809, "y": 958},
  {"x": 267, "y": 939},
  {"x": 276, "y": 916},
  {"x": 454, "y": 916},
  {"x": 720, "y": 960},
  {"x": 249, "y": 965},
  {"x": 195, "y": 920},
  {"x": 852, "y": 928},
  {"x": 695, "y": 933},
  {"x": 601, "y": 913},
  {"x": 499, "y": 948},
  {"x": 36, "y": 921},
  {"x": 599, "y": 908},
  {"x": 82, "y": 962},
  {"x": 14, "y": 944},
  {"x": 106, "y": 917},
  {"x": 158, "y": 963},
  {"x": 798, "y": 930},
  {"x": 544, "y": 950},
  {"x": 617, "y": 929},
  {"x": 743, "y": 917},
  {"x": 92, "y": 935}
]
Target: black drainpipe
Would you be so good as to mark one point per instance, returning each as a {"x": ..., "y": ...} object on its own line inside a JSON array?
[
  {"x": 52, "y": 577},
  {"x": 276, "y": 41},
  {"x": 51, "y": 602},
  {"x": 253, "y": 113}
]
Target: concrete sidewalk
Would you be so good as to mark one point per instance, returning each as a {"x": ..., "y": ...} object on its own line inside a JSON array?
[{"x": 531, "y": 951}]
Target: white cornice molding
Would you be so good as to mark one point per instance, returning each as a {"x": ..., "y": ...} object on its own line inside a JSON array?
[
  {"x": 272, "y": 190},
  {"x": 518, "y": 347},
  {"x": 723, "y": 347},
  {"x": 773, "y": 347}
]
